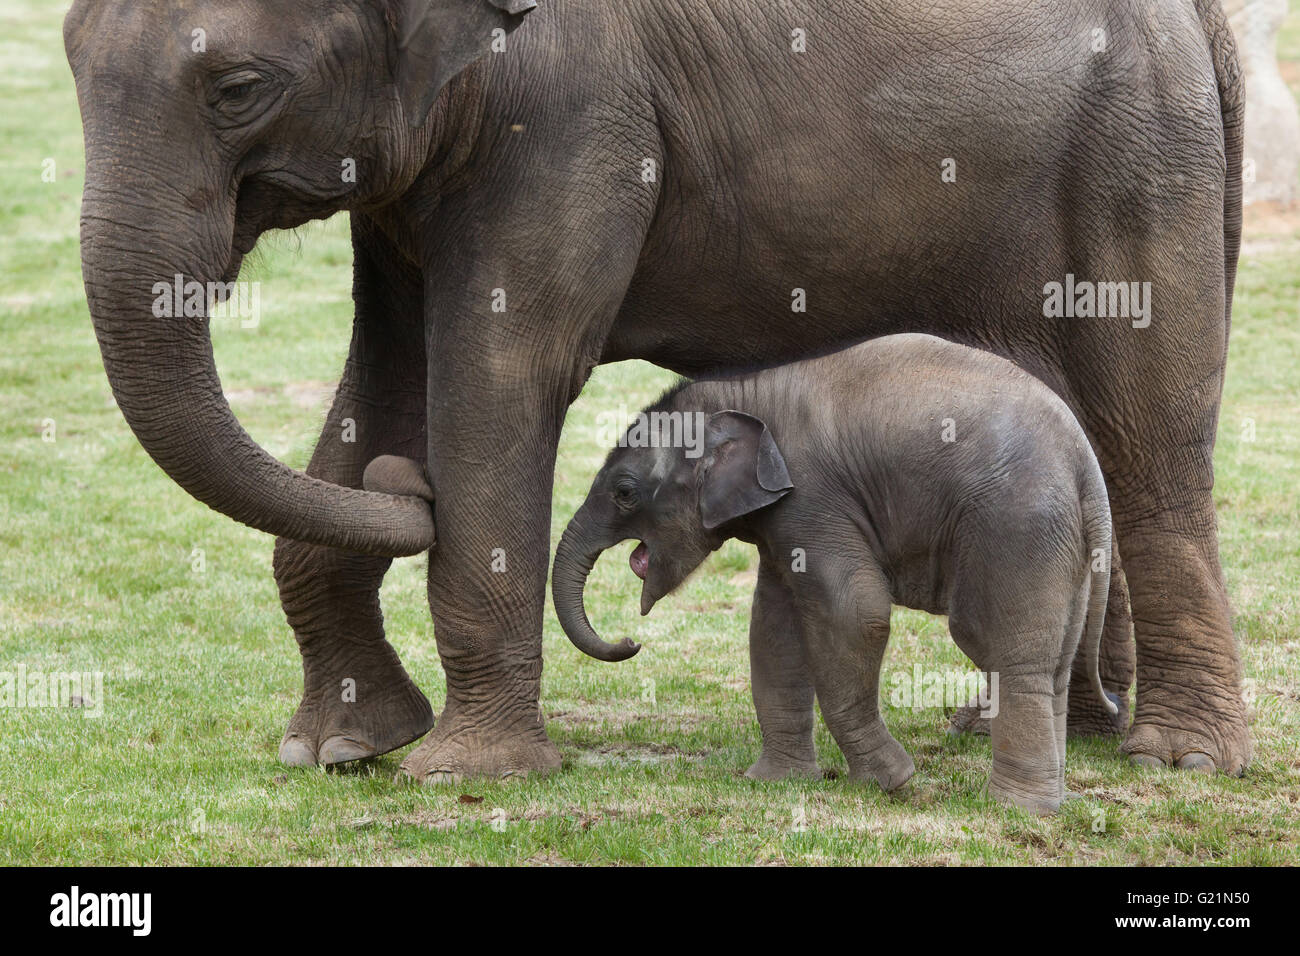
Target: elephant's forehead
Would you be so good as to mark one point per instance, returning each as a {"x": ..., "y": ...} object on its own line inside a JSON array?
[
  {"x": 160, "y": 37},
  {"x": 662, "y": 464}
]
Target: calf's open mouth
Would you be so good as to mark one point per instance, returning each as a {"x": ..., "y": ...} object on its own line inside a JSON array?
[{"x": 640, "y": 560}]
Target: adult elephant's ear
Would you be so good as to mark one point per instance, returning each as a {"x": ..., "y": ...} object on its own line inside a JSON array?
[
  {"x": 743, "y": 468},
  {"x": 436, "y": 39}
]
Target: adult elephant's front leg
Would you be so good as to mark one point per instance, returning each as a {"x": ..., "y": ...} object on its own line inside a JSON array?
[
  {"x": 357, "y": 699},
  {"x": 524, "y": 276},
  {"x": 495, "y": 433}
]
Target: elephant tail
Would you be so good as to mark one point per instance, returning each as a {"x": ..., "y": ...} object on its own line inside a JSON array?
[
  {"x": 1097, "y": 525},
  {"x": 1232, "y": 106}
]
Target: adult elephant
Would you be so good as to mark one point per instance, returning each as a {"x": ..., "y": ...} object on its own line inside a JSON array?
[{"x": 665, "y": 181}]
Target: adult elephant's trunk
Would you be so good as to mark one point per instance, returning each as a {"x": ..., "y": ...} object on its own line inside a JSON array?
[
  {"x": 161, "y": 369},
  {"x": 574, "y": 559}
]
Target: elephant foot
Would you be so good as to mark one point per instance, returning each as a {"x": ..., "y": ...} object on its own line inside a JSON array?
[
  {"x": 890, "y": 766},
  {"x": 365, "y": 707},
  {"x": 771, "y": 767},
  {"x": 1042, "y": 803},
  {"x": 1088, "y": 718},
  {"x": 460, "y": 748},
  {"x": 1222, "y": 748},
  {"x": 969, "y": 720}
]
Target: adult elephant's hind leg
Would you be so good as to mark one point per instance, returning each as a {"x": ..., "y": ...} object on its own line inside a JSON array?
[
  {"x": 1155, "y": 438},
  {"x": 357, "y": 699},
  {"x": 1148, "y": 382},
  {"x": 1190, "y": 713}
]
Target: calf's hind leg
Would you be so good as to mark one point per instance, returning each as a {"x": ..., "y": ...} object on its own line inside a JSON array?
[
  {"x": 1027, "y": 764},
  {"x": 1068, "y": 673},
  {"x": 1026, "y": 646},
  {"x": 1088, "y": 716}
]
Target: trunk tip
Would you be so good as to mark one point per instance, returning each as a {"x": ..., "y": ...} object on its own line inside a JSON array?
[{"x": 623, "y": 650}]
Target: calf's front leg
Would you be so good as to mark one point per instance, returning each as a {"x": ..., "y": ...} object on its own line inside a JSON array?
[
  {"x": 844, "y": 611},
  {"x": 780, "y": 681}
]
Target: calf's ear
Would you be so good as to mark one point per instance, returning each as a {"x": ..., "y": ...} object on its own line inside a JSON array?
[
  {"x": 436, "y": 39},
  {"x": 742, "y": 468}
]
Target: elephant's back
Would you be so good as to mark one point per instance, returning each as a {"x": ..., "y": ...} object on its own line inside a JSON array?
[{"x": 921, "y": 395}]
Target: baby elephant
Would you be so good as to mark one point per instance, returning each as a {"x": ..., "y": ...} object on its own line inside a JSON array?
[{"x": 904, "y": 470}]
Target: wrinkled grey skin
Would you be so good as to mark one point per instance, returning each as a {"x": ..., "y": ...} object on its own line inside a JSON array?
[
  {"x": 522, "y": 171},
  {"x": 906, "y": 470}
]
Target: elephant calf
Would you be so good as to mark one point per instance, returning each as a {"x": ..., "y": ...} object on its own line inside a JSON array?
[{"x": 905, "y": 470}]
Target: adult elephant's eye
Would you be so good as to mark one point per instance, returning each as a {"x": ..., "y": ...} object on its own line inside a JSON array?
[
  {"x": 238, "y": 87},
  {"x": 236, "y": 92}
]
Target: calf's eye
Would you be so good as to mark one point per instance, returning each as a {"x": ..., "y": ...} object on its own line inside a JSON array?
[{"x": 625, "y": 495}]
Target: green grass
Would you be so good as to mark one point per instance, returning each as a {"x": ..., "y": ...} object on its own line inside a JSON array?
[{"x": 202, "y": 674}]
